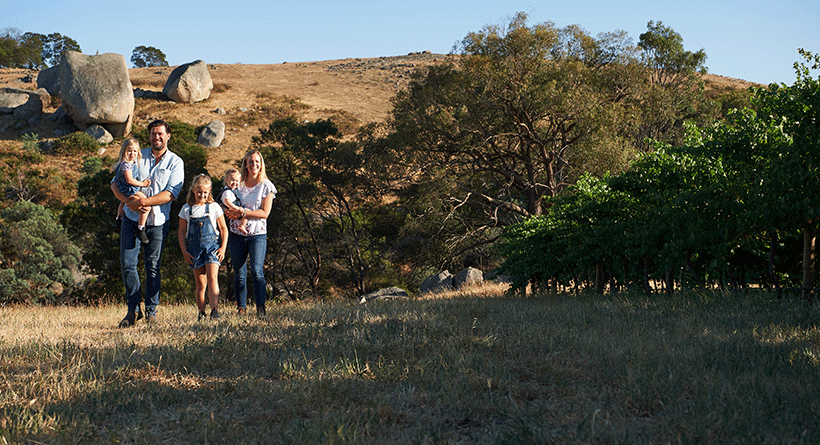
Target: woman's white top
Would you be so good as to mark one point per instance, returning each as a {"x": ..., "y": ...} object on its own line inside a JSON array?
[{"x": 252, "y": 198}]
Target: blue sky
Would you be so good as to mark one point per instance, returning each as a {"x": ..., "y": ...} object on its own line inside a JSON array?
[{"x": 750, "y": 40}]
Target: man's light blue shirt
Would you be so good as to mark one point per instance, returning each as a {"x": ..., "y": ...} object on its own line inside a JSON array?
[{"x": 165, "y": 175}]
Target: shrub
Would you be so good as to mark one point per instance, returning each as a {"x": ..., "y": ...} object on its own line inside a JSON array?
[
  {"x": 77, "y": 143},
  {"x": 30, "y": 142},
  {"x": 35, "y": 252}
]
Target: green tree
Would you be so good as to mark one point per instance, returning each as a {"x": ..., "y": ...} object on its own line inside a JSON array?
[
  {"x": 319, "y": 219},
  {"x": 674, "y": 92},
  {"x": 20, "y": 50},
  {"x": 147, "y": 56},
  {"x": 519, "y": 115},
  {"x": 55, "y": 45},
  {"x": 723, "y": 206},
  {"x": 516, "y": 118},
  {"x": 35, "y": 253}
]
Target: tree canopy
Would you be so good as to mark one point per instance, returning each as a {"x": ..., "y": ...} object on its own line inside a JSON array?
[
  {"x": 32, "y": 50},
  {"x": 35, "y": 253},
  {"x": 147, "y": 56},
  {"x": 523, "y": 111},
  {"x": 728, "y": 206}
]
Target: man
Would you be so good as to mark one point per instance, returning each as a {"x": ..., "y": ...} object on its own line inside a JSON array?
[{"x": 166, "y": 171}]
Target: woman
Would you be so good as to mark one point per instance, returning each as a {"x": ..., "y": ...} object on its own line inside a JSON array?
[{"x": 248, "y": 249}]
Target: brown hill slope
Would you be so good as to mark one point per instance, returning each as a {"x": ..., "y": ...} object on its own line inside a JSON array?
[
  {"x": 350, "y": 90},
  {"x": 355, "y": 90}
]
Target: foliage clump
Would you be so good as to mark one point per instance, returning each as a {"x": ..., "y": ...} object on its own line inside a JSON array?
[
  {"x": 148, "y": 56},
  {"x": 733, "y": 205},
  {"x": 76, "y": 143},
  {"x": 35, "y": 253}
]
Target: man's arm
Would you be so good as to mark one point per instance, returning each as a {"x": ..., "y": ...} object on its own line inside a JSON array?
[
  {"x": 118, "y": 193},
  {"x": 158, "y": 199}
]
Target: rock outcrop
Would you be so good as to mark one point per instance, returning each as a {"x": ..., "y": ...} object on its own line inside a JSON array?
[
  {"x": 97, "y": 90},
  {"x": 468, "y": 277},
  {"x": 387, "y": 293},
  {"x": 211, "y": 136},
  {"x": 49, "y": 79},
  {"x": 189, "y": 83},
  {"x": 436, "y": 283}
]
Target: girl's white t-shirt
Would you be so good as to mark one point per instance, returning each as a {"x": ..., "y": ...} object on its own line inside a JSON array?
[
  {"x": 252, "y": 198},
  {"x": 198, "y": 211}
]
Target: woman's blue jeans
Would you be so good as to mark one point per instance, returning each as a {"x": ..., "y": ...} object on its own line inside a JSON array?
[{"x": 248, "y": 254}]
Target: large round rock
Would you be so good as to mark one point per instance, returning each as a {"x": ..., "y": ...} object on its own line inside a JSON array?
[
  {"x": 189, "y": 83},
  {"x": 97, "y": 90}
]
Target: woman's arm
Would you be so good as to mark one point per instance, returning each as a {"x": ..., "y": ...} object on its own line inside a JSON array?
[{"x": 263, "y": 211}]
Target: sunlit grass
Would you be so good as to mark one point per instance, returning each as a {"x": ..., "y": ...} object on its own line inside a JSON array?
[{"x": 474, "y": 367}]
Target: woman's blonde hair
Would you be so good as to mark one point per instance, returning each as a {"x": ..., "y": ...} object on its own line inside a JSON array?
[
  {"x": 200, "y": 180},
  {"x": 244, "y": 170},
  {"x": 127, "y": 143}
]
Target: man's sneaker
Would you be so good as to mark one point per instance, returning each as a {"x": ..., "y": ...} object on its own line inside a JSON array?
[
  {"x": 260, "y": 312},
  {"x": 214, "y": 314},
  {"x": 143, "y": 237}
]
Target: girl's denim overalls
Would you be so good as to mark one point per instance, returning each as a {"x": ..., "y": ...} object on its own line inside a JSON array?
[{"x": 202, "y": 240}]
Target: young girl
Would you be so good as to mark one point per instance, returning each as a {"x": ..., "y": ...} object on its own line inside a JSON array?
[
  {"x": 230, "y": 199},
  {"x": 129, "y": 183},
  {"x": 203, "y": 238}
]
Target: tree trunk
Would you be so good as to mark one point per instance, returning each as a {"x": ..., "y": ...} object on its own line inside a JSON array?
[
  {"x": 646, "y": 285},
  {"x": 599, "y": 278},
  {"x": 772, "y": 273},
  {"x": 809, "y": 237}
]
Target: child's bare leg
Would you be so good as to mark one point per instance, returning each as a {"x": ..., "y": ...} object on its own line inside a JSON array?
[
  {"x": 241, "y": 222},
  {"x": 120, "y": 210},
  {"x": 143, "y": 215},
  {"x": 213, "y": 283},
  {"x": 201, "y": 279}
]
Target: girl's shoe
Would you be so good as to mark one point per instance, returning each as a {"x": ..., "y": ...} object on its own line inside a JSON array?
[
  {"x": 143, "y": 237},
  {"x": 202, "y": 316},
  {"x": 214, "y": 314}
]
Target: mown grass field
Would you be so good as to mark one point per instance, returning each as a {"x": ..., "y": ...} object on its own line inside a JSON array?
[{"x": 454, "y": 368}]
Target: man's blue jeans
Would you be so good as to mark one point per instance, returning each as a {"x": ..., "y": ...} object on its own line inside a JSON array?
[
  {"x": 129, "y": 257},
  {"x": 245, "y": 250}
]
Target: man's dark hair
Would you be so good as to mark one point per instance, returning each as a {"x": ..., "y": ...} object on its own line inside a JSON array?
[{"x": 159, "y": 123}]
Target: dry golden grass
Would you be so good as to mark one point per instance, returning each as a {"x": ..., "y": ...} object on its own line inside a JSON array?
[{"x": 458, "y": 367}]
